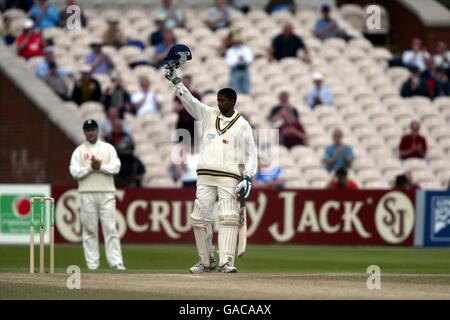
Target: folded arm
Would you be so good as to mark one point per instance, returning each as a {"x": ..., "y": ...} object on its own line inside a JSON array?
[
  {"x": 113, "y": 167},
  {"x": 76, "y": 170}
]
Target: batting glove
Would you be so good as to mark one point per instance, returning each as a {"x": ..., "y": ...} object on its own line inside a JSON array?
[
  {"x": 245, "y": 185},
  {"x": 171, "y": 75}
]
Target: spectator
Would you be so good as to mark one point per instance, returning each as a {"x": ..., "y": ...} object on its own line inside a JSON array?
[
  {"x": 45, "y": 15},
  {"x": 442, "y": 57},
  {"x": 25, "y": 5},
  {"x": 269, "y": 176},
  {"x": 341, "y": 181},
  {"x": 239, "y": 5},
  {"x": 219, "y": 16},
  {"x": 338, "y": 155},
  {"x": 430, "y": 71},
  {"x": 404, "y": 181},
  {"x": 86, "y": 88},
  {"x": 132, "y": 170},
  {"x": 442, "y": 83},
  {"x": 56, "y": 81},
  {"x": 100, "y": 62},
  {"x": 414, "y": 86},
  {"x": 117, "y": 95},
  {"x": 227, "y": 42},
  {"x": 30, "y": 43},
  {"x": 185, "y": 120},
  {"x": 106, "y": 126},
  {"x": 113, "y": 36},
  {"x": 174, "y": 16},
  {"x": 7, "y": 35},
  {"x": 287, "y": 44},
  {"x": 239, "y": 57},
  {"x": 326, "y": 27},
  {"x": 417, "y": 56},
  {"x": 117, "y": 134},
  {"x": 156, "y": 37},
  {"x": 163, "y": 48},
  {"x": 319, "y": 94},
  {"x": 285, "y": 118},
  {"x": 145, "y": 101},
  {"x": 43, "y": 67},
  {"x": 64, "y": 15},
  {"x": 187, "y": 169},
  {"x": 280, "y": 5},
  {"x": 429, "y": 77},
  {"x": 413, "y": 145}
]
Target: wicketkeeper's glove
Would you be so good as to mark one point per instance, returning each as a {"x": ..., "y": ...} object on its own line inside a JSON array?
[
  {"x": 245, "y": 184},
  {"x": 171, "y": 75}
]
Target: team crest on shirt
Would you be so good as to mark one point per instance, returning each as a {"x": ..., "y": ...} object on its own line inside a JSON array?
[
  {"x": 225, "y": 141},
  {"x": 86, "y": 156}
]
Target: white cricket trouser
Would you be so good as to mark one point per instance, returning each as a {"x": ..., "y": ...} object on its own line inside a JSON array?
[
  {"x": 206, "y": 196},
  {"x": 93, "y": 206}
]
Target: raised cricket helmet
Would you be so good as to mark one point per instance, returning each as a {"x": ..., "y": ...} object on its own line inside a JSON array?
[{"x": 178, "y": 55}]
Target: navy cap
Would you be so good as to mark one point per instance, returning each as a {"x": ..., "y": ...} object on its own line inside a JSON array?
[
  {"x": 326, "y": 8},
  {"x": 91, "y": 123}
]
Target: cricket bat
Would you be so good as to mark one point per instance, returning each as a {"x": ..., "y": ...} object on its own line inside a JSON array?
[{"x": 242, "y": 239}]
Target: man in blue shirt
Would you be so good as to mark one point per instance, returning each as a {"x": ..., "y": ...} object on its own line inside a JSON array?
[
  {"x": 45, "y": 15},
  {"x": 99, "y": 61},
  {"x": 43, "y": 67},
  {"x": 319, "y": 94},
  {"x": 338, "y": 155},
  {"x": 268, "y": 175},
  {"x": 326, "y": 27}
]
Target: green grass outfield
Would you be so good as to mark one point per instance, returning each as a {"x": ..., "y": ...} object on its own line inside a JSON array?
[{"x": 259, "y": 258}]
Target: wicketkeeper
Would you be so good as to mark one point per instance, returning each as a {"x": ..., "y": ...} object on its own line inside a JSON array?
[{"x": 227, "y": 141}]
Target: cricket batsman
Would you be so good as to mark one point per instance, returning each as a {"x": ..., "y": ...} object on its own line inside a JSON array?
[{"x": 227, "y": 142}]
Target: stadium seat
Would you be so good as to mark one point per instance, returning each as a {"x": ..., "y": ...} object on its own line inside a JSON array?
[
  {"x": 376, "y": 184},
  {"x": 440, "y": 132},
  {"x": 413, "y": 164},
  {"x": 367, "y": 175},
  {"x": 296, "y": 184},
  {"x": 363, "y": 163},
  {"x": 430, "y": 185}
]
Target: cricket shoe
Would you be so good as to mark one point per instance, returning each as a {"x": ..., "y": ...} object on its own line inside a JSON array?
[
  {"x": 212, "y": 263},
  {"x": 119, "y": 267},
  {"x": 199, "y": 268},
  {"x": 227, "y": 268}
]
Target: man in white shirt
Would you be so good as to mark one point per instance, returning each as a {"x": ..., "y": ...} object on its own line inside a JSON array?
[
  {"x": 219, "y": 16},
  {"x": 145, "y": 101},
  {"x": 319, "y": 94},
  {"x": 93, "y": 165},
  {"x": 416, "y": 56},
  {"x": 239, "y": 58},
  {"x": 227, "y": 142},
  {"x": 442, "y": 56}
]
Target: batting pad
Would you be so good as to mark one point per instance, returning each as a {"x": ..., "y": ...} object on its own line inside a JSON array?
[
  {"x": 228, "y": 230},
  {"x": 200, "y": 232}
]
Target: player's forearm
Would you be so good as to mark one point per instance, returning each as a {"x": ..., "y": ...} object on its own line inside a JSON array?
[
  {"x": 111, "y": 168},
  {"x": 190, "y": 103},
  {"x": 79, "y": 172}
]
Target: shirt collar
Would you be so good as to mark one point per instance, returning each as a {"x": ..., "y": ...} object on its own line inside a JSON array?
[
  {"x": 221, "y": 116},
  {"x": 93, "y": 145}
]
